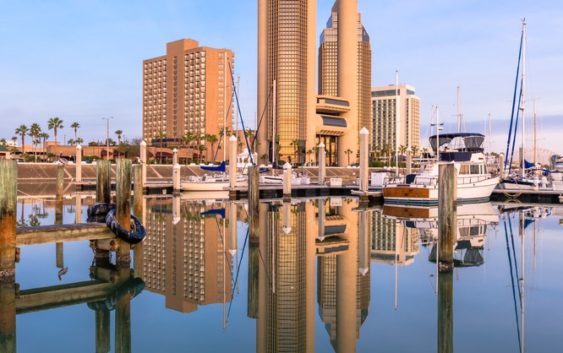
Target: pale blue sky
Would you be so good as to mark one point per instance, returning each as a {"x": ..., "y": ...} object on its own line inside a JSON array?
[{"x": 81, "y": 59}]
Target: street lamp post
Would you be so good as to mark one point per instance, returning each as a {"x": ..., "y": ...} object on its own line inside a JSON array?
[{"x": 107, "y": 135}]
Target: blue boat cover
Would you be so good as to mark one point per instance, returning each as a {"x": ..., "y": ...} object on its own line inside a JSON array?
[
  {"x": 214, "y": 212},
  {"x": 216, "y": 168}
]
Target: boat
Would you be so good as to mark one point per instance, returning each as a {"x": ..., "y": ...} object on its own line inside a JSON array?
[
  {"x": 210, "y": 182},
  {"x": 472, "y": 220},
  {"x": 465, "y": 152}
]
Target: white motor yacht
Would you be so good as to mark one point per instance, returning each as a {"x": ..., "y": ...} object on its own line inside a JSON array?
[{"x": 474, "y": 183}]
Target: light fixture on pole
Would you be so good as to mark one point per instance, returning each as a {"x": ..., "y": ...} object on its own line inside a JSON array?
[{"x": 107, "y": 135}]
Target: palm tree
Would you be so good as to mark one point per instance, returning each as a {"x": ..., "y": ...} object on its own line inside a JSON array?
[
  {"x": 79, "y": 141},
  {"x": 161, "y": 135},
  {"x": 44, "y": 136},
  {"x": 71, "y": 142},
  {"x": 188, "y": 140},
  {"x": 414, "y": 150},
  {"x": 22, "y": 131},
  {"x": 348, "y": 153},
  {"x": 402, "y": 150},
  {"x": 75, "y": 126},
  {"x": 55, "y": 124},
  {"x": 295, "y": 144},
  {"x": 201, "y": 148},
  {"x": 212, "y": 139},
  {"x": 119, "y": 133},
  {"x": 34, "y": 132},
  {"x": 309, "y": 153}
]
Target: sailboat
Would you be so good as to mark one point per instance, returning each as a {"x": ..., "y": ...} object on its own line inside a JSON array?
[{"x": 519, "y": 180}]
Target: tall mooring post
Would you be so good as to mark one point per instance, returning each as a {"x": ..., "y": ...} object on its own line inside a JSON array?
[
  {"x": 287, "y": 172},
  {"x": 174, "y": 156},
  {"x": 322, "y": 163},
  {"x": 447, "y": 216},
  {"x": 102, "y": 328},
  {"x": 138, "y": 190},
  {"x": 78, "y": 160},
  {"x": 144, "y": 161},
  {"x": 364, "y": 243},
  {"x": 59, "y": 247},
  {"x": 8, "y": 205},
  {"x": 233, "y": 167},
  {"x": 232, "y": 217},
  {"x": 253, "y": 197},
  {"x": 176, "y": 178},
  {"x": 103, "y": 181},
  {"x": 445, "y": 312},
  {"x": 364, "y": 160},
  {"x": 123, "y": 207}
]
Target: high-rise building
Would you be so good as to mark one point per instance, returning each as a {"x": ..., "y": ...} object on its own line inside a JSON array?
[
  {"x": 388, "y": 129},
  {"x": 188, "y": 90},
  {"x": 328, "y": 67},
  {"x": 289, "y": 112}
]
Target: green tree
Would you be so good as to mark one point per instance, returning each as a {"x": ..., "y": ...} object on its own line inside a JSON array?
[
  {"x": 34, "y": 132},
  {"x": 75, "y": 126},
  {"x": 201, "y": 149},
  {"x": 44, "y": 136},
  {"x": 348, "y": 153},
  {"x": 79, "y": 141},
  {"x": 55, "y": 124},
  {"x": 212, "y": 139},
  {"x": 119, "y": 133},
  {"x": 22, "y": 130}
]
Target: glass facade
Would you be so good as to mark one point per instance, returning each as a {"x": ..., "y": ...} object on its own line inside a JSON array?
[{"x": 287, "y": 66}]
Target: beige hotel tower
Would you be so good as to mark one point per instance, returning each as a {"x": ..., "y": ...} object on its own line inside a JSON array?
[
  {"x": 187, "y": 90},
  {"x": 289, "y": 111}
]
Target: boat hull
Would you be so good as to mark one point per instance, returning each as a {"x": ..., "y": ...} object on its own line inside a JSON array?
[{"x": 428, "y": 194}]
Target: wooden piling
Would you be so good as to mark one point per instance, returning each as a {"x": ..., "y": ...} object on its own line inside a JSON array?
[
  {"x": 8, "y": 206},
  {"x": 123, "y": 207},
  {"x": 232, "y": 167},
  {"x": 322, "y": 164},
  {"x": 102, "y": 329},
  {"x": 7, "y": 315},
  {"x": 103, "y": 181},
  {"x": 59, "y": 247},
  {"x": 364, "y": 160},
  {"x": 447, "y": 215},
  {"x": 445, "y": 312},
  {"x": 123, "y": 317},
  {"x": 78, "y": 164},
  {"x": 144, "y": 161},
  {"x": 253, "y": 196},
  {"x": 287, "y": 172},
  {"x": 138, "y": 190}
]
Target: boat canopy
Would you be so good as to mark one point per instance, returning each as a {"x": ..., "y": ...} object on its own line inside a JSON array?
[
  {"x": 461, "y": 142},
  {"x": 216, "y": 168}
]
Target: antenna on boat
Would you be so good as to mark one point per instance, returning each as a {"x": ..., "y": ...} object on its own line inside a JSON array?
[{"x": 459, "y": 114}]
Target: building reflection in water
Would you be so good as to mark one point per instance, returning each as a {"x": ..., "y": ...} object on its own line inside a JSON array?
[
  {"x": 189, "y": 257},
  {"x": 186, "y": 255}
]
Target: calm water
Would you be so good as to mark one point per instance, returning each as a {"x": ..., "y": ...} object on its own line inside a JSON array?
[{"x": 320, "y": 276}]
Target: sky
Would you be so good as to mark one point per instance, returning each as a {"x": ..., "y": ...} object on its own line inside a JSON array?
[{"x": 81, "y": 60}]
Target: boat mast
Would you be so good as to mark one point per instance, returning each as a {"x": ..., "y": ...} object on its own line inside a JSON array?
[
  {"x": 225, "y": 109},
  {"x": 523, "y": 105},
  {"x": 535, "y": 136},
  {"x": 274, "y": 122},
  {"x": 397, "y": 121},
  {"x": 437, "y": 134},
  {"x": 459, "y": 113}
]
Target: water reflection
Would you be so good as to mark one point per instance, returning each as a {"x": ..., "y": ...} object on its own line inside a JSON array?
[
  {"x": 308, "y": 267},
  {"x": 108, "y": 289}
]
